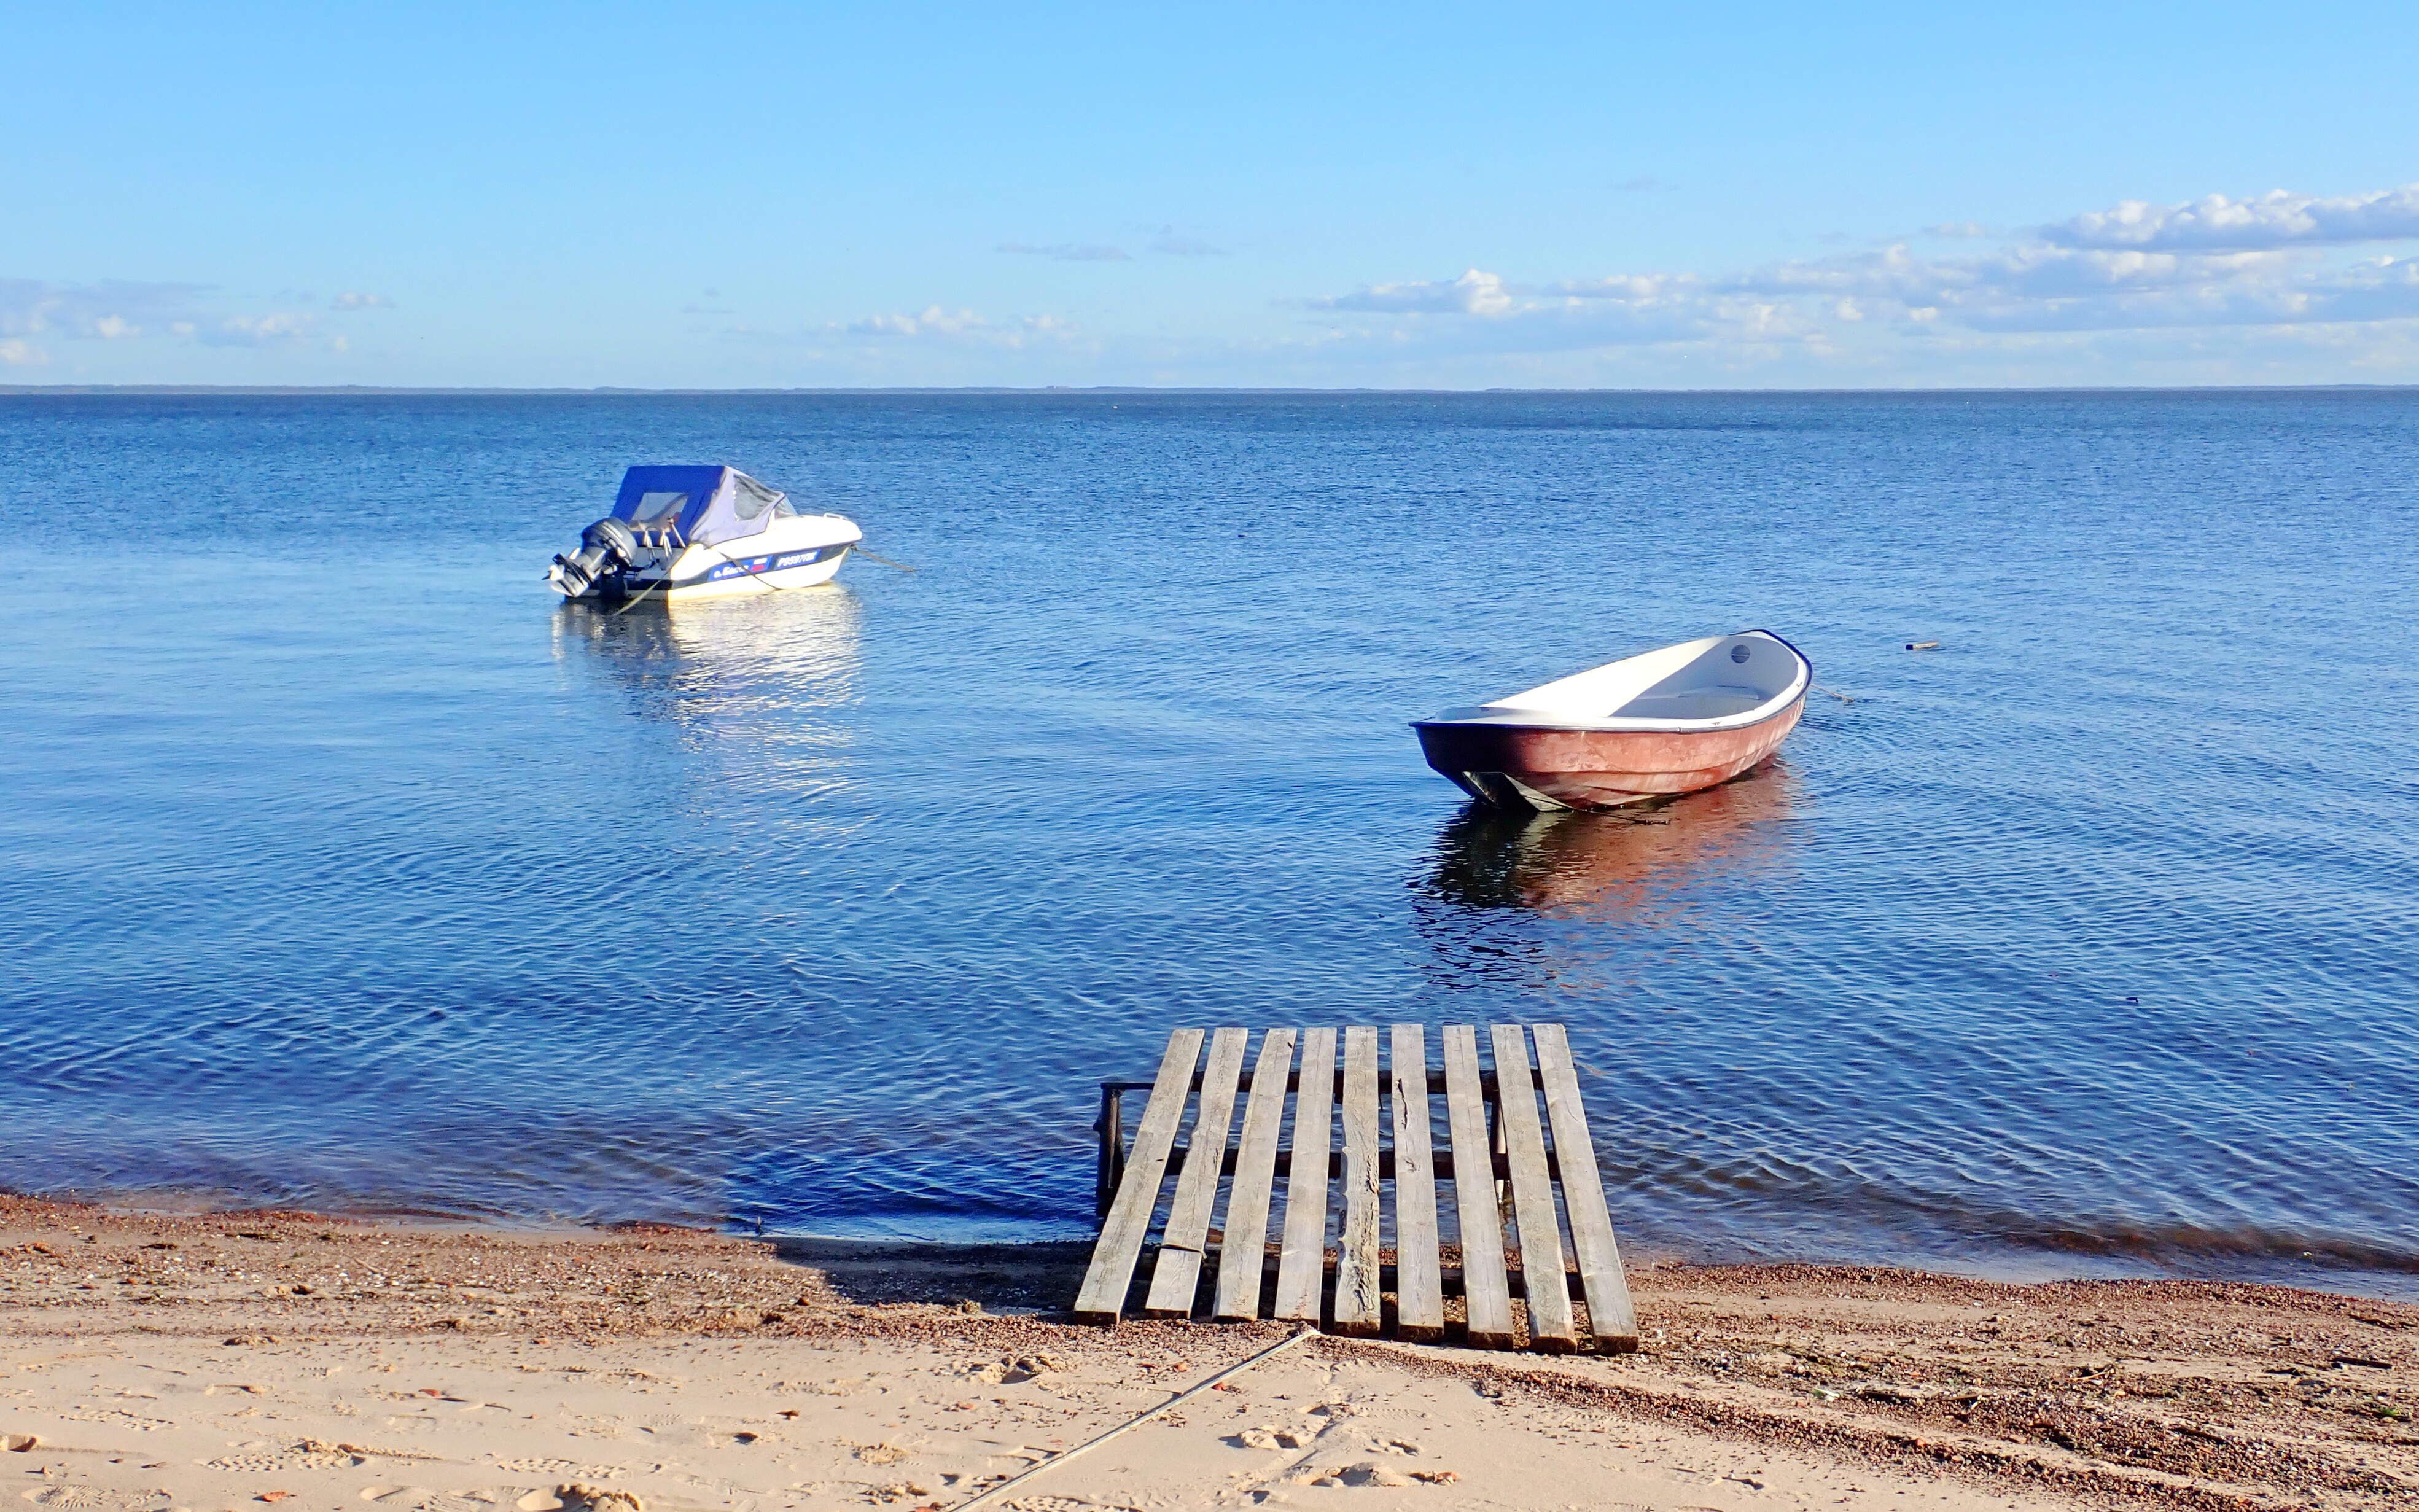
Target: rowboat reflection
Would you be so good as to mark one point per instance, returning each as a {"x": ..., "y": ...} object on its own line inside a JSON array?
[{"x": 1630, "y": 865}]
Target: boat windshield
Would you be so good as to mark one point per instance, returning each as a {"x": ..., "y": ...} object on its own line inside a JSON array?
[
  {"x": 655, "y": 511},
  {"x": 751, "y": 498}
]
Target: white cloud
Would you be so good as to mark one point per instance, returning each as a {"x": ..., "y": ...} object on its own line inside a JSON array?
[
  {"x": 260, "y": 330},
  {"x": 1473, "y": 293},
  {"x": 17, "y": 352},
  {"x": 135, "y": 312},
  {"x": 2275, "y": 218},
  {"x": 2205, "y": 273},
  {"x": 107, "y": 310},
  {"x": 932, "y": 321},
  {"x": 355, "y": 300},
  {"x": 934, "y": 324}
]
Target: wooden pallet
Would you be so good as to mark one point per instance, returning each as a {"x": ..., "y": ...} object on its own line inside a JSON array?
[{"x": 1509, "y": 1188}]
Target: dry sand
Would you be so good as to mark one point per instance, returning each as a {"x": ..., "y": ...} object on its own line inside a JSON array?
[{"x": 252, "y": 1360}]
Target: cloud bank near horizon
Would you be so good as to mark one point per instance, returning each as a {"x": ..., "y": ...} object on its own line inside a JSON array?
[
  {"x": 2306, "y": 275},
  {"x": 2273, "y": 263},
  {"x": 35, "y": 313}
]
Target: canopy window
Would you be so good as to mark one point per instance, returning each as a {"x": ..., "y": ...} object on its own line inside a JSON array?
[{"x": 707, "y": 504}]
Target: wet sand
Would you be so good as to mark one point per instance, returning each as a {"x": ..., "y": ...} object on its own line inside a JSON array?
[{"x": 230, "y": 1361}]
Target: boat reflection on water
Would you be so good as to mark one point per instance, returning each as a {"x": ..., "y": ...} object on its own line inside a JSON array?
[
  {"x": 1621, "y": 865},
  {"x": 757, "y": 681}
]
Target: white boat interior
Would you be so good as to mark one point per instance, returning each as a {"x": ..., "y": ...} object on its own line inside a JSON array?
[
  {"x": 690, "y": 531},
  {"x": 1719, "y": 683}
]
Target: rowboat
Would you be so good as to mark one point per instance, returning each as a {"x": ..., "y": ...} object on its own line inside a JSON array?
[{"x": 1654, "y": 725}]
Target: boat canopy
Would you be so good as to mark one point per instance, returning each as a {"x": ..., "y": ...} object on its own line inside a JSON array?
[{"x": 707, "y": 504}]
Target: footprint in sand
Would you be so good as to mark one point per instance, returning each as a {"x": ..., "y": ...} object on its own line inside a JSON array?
[
  {"x": 301, "y": 1457},
  {"x": 564, "y": 1466},
  {"x": 420, "y": 1499},
  {"x": 837, "y": 1386},
  {"x": 94, "y": 1499},
  {"x": 589, "y": 1425},
  {"x": 122, "y": 1419}
]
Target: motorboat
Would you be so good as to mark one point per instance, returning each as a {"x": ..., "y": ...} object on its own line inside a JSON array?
[
  {"x": 700, "y": 531},
  {"x": 1654, "y": 725}
]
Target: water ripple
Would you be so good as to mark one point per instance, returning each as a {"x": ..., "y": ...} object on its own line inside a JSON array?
[{"x": 341, "y": 869}]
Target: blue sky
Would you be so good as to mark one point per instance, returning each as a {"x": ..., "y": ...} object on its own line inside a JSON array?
[{"x": 1392, "y": 196}]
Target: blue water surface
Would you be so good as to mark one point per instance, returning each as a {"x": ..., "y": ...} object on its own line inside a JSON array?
[{"x": 341, "y": 868}]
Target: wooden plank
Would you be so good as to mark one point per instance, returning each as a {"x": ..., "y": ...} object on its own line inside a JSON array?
[
  {"x": 1242, "y": 1250},
  {"x": 1358, "y": 1295},
  {"x": 1610, "y": 1320},
  {"x": 1119, "y": 1246},
  {"x": 1302, "y": 1261},
  {"x": 1419, "y": 1285},
  {"x": 1532, "y": 1197},
  {"x": 1486, "y": 1290},
  {"x": 1177, "y": 1277}
]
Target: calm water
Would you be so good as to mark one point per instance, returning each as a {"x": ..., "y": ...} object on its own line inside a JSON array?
[{"x": 339, "y": 867}]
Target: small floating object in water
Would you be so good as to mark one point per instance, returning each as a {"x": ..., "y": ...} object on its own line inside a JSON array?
[
  {"x": 701, "y": 533},
  {"x": 1923, "y": 645},
  {"x": 1651, "y": 726}
]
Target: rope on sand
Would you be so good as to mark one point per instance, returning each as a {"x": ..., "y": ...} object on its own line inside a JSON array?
[{"x": 984, "y": 1497}]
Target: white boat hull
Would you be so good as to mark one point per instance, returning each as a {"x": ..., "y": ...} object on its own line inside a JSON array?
[
  {"x": 768, "y": 572},
  {"x": 793, "y": 552}
]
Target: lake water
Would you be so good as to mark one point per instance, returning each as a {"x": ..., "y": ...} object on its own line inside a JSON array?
[{"x": 339, "y": 867}]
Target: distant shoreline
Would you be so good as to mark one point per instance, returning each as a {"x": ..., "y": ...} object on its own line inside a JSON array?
[{"x": 1056, "y": 391}]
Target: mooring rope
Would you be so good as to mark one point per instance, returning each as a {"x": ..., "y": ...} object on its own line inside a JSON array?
[{"x": 1177, "y": 1400}]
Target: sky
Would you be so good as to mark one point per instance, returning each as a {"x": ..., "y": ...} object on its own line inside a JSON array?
[{"x": 1407, "y": 195}]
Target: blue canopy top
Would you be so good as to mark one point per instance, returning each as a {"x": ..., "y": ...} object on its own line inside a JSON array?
[{"x": 703, "y": 503}]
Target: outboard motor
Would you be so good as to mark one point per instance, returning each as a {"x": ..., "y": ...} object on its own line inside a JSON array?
[{"x": 606, "y": 547}]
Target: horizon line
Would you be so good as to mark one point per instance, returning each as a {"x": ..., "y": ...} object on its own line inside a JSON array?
[{"x": 619, "y": 391}]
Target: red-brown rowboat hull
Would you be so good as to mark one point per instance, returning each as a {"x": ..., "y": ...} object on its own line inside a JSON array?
[{"x": 1598, "y": 768}]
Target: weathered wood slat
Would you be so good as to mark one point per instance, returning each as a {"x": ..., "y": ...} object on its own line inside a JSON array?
[
  {"x": 1484, "y": 1292},
  {"x": 1419, "y": 1283},
  {"x": 1436, "y": 1082},
  {"x": 1532, "y": 1197},
  {"x": 1243, "y": 1249},
  {"x": 1111, "y": 1274},
  {"x": 1611, "y": 1321},
  {"x": 1176, "y": 1274},
  {"x": 1441, "y": 1162},
  {"x": 1358, "y": 1302},
  {"x": 1505, "y": 1163},
  {"x": 1301, "y": 1260}
]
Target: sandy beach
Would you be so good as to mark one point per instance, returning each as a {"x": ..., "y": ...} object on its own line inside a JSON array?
[{"x": 225, "y": 1360}]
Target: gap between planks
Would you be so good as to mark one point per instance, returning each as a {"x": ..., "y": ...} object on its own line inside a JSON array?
[{"x": 1520, "y": 1177}]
